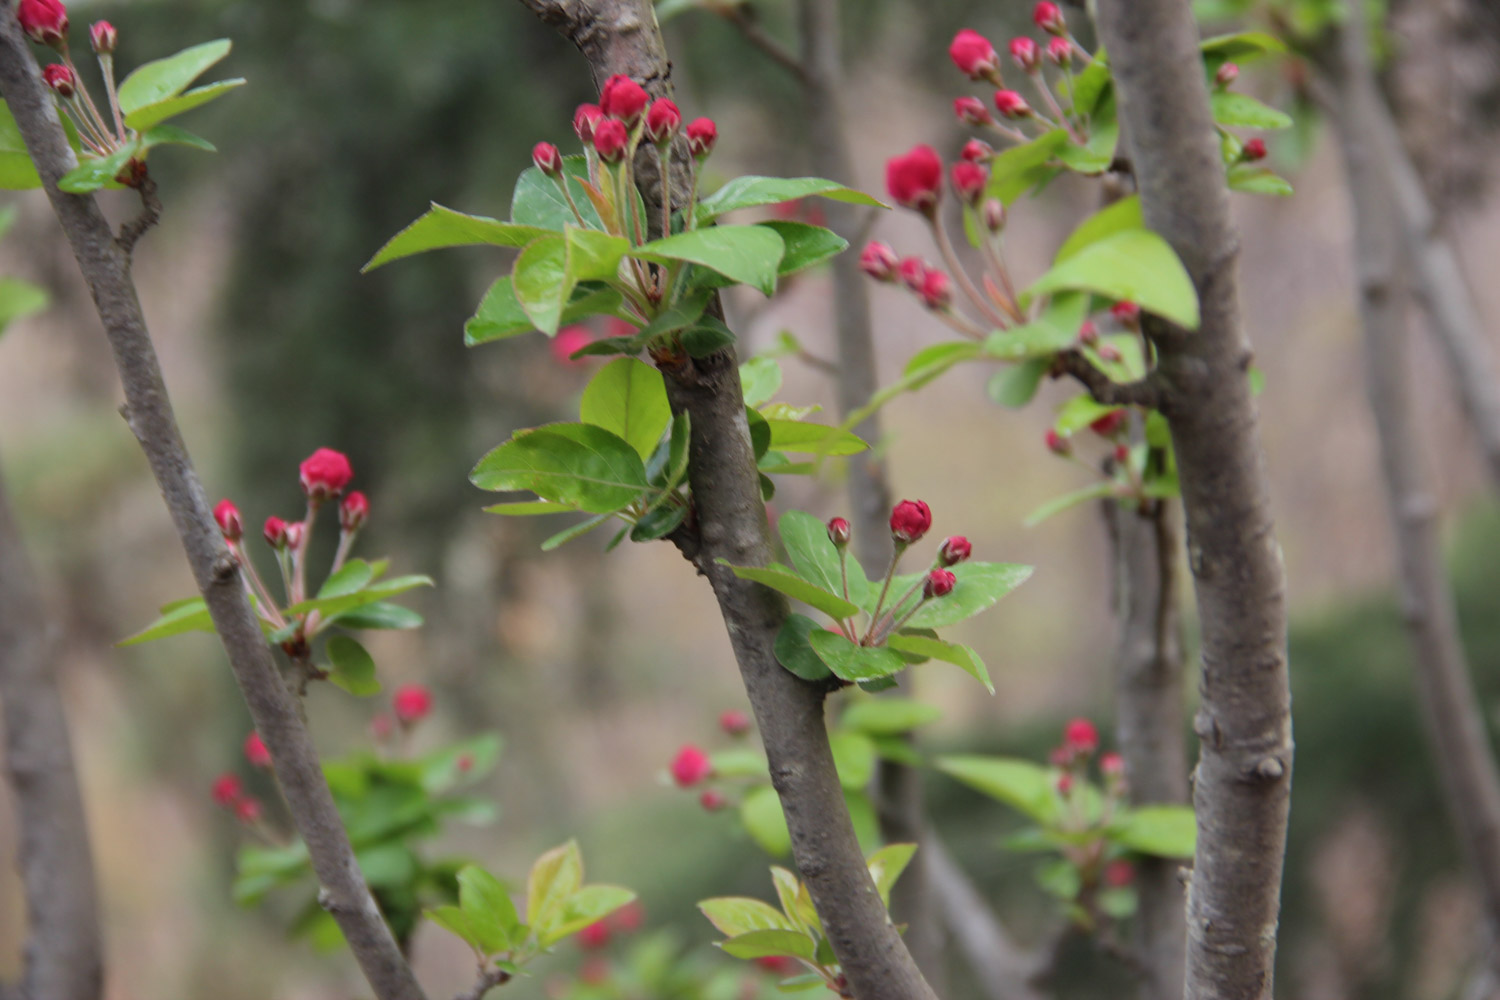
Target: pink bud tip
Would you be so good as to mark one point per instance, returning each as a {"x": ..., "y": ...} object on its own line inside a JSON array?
[
  {"x": 44, "y": 21},
  {"x": 1011, "y": 104},
  {"x": 913, "y": 272},
  {"x": 325, "y": 473},
  {"x": 779, "y": 965},
  {"x": 955, "y": 549},
  {"x": 937, "y": 290},
  {"x": 256, "y": 752},
  {"x": 663, "y": 122},
  {"x": 1088, "y": 332},
  {"x": 547, "y": 159},
  {"x": 1108, "y": 352},
  {"x": 734, "y": 722},
  {"x": 1122, "y": 454},
  {"x": 103, "y": 37},
  {"x": 594, "y": 936},
  {"x": 275, "y": 532},
  {"x": 1060, "y": 52},
  {"x": 585, "y": 119},
  {"x": 971, "y": 111},
  {"x": 1056, "y": 443},
  {"x": 1081, "y": 736},
  {"x": 569, "y": 341},
  {"x": 839, "y": 532},
  {"x": 1049, "y": 17},
  {"x": 910, "y": 520},
  {"x": 1118, "y": 874},
  {"x": 1064, "y": 784},
  {"x": 227, "y": 789},
  {"x": 690, "y": 766},
  {"x": 1226, "y": 74},
  {"x": 879, "y": 261},
  {"x": 940, "y": 583},
  {"x": 247, "y": 810},
  {"x": 294, "y": 533},
  {"x": 1254, "y": 150},
  {"x": 915, "y": 179},
  {"x": 712, "y": 801},
  {"x": 624, "y": 99},
  {"x": 1110, "y": 424},
  {"x": 610, "y": 140},
  {"x": 993, "y": 214},
  {"x": 629, "y": 917},
  {"x": 1126, "y": 313},
  {"x": 227, "y": 517},
  {"x": 60, "y": 79},
  {"x": 968, "y": 181},
  {"x": 973, "y": 54},
  {"x": 354, "y": 511},
  {"x": 1111, "y": 764},
  {"x": 702, "y": 135},
  {"x": 976, "y": 151},
  {"x": 412, "y": 703},
  {"x": 1026, "y": 53}
]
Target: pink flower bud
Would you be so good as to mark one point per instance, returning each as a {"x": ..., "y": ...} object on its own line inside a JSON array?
[
  {"x": 690, "y": 766},
  {"x": 354, "y": 511},
  {"x": 1122, "y": 454},
  {"x": 1064, "y": 784},
  {"x": 912, "y": 272},
  {"x": 1060, "y": 52},
  {"x": 1109, "y": 425},
  {"x": 547, "y": 159},
  {"x": 227, "y": 789},
  {"x": 1254, "y": 150},
  {"x": 976, "y": 151},
  {"x": 879, "y": 261},
  {"x": 1088, "y": 332},
  {"x": 594, "y": 936},
  {"x": 412, "y": 703},
  {"x": 610, "y": 140},
  {"x": 910, "y": 520},
  {"x": 256, "y": 752},
  {"x": 971, "y": 111},
  {"x": 1111, "y": 765},
  {"x": 955, "y": 549},
  {"x": 940, "y": 583},
  {"x": 585, "y": 120},
  {"x": 44, "y": 21},
  {"x": 294, "y": 532},
  {"x": 275, "y": 532},
  {"x": 1081, "y": 736},
  {"x": 60, "y": 79},
  {"x": 712, "y": 801},
  {"x": 779, "y": 965},
  {"x": 993, "y": 214},
  {"x": 937, "y": 290},
  {"x": 973, "y": 54},
  {"x": 227, "y": 516},
  {"x": 325, "y": 473},
  {"x": 839, "y": 532},
  {"x": 1226, "y": 74},
  {"x": 569, "y": 341},
  {"x": 1011, "y": 104},
  {"x": 1049, "y": 17},
  {"x": 968, "y": 181},
  {"x": 662, "y": 122},
  {"x": 624, "y": 99},
  {"x": 1118, "y": 874},
  {"x": 734, "y": 722},
  {"x": 103, "y": 37},
  {"x": 702, "y": 135},
  {"x": 247, "y": 810},
  {"x": 915, "y": 180},
  {"x": 1126, "y": 313},
  {"x": 1108, "y": 352},
  {"x": 1026, "y": 54},
  {"x": 1056, "y": 443}
]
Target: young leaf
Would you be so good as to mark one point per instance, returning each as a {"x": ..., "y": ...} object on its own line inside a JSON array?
[
  {"x": 454, "y": 920},
  {"x": 1134, "y": 264},
  {"x": 1123, "y": 214},
  {"x": 760, "y": 380},
  {"x": 576, "y": 531},
  {"x": 329, "y": 607},
  {"x": 888, "y": 716},
  {"x": 886, "y": 866},
  {"x": 795, "y": 653},
  {"x": 1162, "y": 831},
  {"x": 1258, "y": 180},
  {"x": 806, "y": 437},
  {"x": 760, "y": 812},
  {"x": 855, "y": 663},
  {"x": 948, "y": 652},
  {"x": 537, "y": 200},
  {"x": 1015, "y": 385},
  {"x": 980, "y": 585},
  {"x": 1018, "y": 783},
  {"x": 1238, "y": 110},
  {"x": 1020, "y": 168},
  {"x": 353, "y": 576},
  {"x": 379, "y": 615},
  {"x": 588, "y": 905},
  {"x": 814, "y": 557},
  {"x": 736, "y": 915},
  {"x": 806, "y": 245},
  {"x": 578, "y": 464},
  {"x": 765, "y": 944},
  {"x": 541, "y": 281},
  {"x": 1098, "y": 491},
  {"x": 854, "y": 757},
  {"x": 488, "y": 908},
  {"x": 161, "y": 79},
  {"x": 186, "y": 616},
  {"x": 751, "y": 191},
  {"x": 554, "y": 877},
  {"x": 353, "y": 666},
  {"x": 20, "y": 298},
  {"x": 94, "y": 172},
  {"x": 592, "y": 255},
  {"x": 749, "y": 255},
  {"x": 627, "y": 397},
  {"x": 443, "y": 227},
  {"x": 149, "y": 115},
  {"x": 499, "y": 314},
  {"x": 783, "y": 579}
]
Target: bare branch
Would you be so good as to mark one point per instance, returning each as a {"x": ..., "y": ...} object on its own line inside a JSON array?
[
  {"x": 64, "y": 959},
  {"x": 106, "y": 270},
  {"x": 488, "y": 980},
  {"x": 1004, "y": 971},
  {"x": 1146, "y": 392},
  {"x": 744, "y": 19},
  {"x": 132, "y": 231},
  {"x": 1243, "y": 785}
]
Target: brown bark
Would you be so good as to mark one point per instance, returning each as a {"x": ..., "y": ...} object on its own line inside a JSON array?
[
  {"x": 63, "y": 957},
  {"x": 105, "y": 265},
  {"x": 1243, "y": 784}
]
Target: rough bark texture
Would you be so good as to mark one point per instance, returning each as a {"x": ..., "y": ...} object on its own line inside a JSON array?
[
  {"x": 1243, "y": 778},
  {"x": 63, "y": 957},
  {"x": 621, "y": 36},
  {"x": 106, "y": 270},
  {"x": 1461, "y": 748},
  {"x": 1148, "y": 675}
]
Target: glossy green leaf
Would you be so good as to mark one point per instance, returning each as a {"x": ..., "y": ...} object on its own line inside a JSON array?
[
  {"x": 94, "y": 172},
  {"x": 1018, "y": 783},
  {"x": 795, "y": 652},
  {"x": 806, "y": 245},
  {"x": 588, "y": 905},
  {"x": 1236, "y": 110},
  {"x": 187, "y": 616},
  {"x": 888, "y": 716},
  {"x": 707, "y": 336},
  {"x": 764, "y": 944},
  {"x": 854, "y": 757},
  {"x": 795, "y": 900},
  {"x": 500, "y": 316},
  {"x": 760, "y": 380},
  {"x": 330, "y": 607},
  {"x": 353, "y": 666},
  {"x": 154, "y": 114},
  {"x": 1057, "y": 505},
  {"x": 541, "y": 281},
  {"x": 354, "y": 575},
  {"x": 760, "y": 812},
  {"x": 1121, "y": 215},
  {"x": 529, "y": 508},
  {"x": 554, "y": 877},
  {"x": 1016, "y": 385},
  {"x": 783, "y": 579},
  {"x": 814, "y": 557},
  {"x": 592, "y": 255},
  {"x": 1258, "y": 180},
  {"x": 886, "y": 866},
  {"x": 1078, "y": 412},
  {"x": 1091, "y": 84},
  {"x": 979, "y": 586},
  {"x": 442, "y": 227},
  {"x": 379, "y": 615},
  {"x": 736, "y": 915},
  {"x": 750, "y": 255},
  {"x": 577, "y": 464},
  {"x": 1134, "y": 264},
  {"x": 1020, "y": 168},
  {"x": 161, "y": 79},
  {"x": 488, "y": 908},
  {"x": 1162, "y": 831},
  {"x": 806, "y": 437},
  {"x": 949, "y": 652},
  {"x": 855, "y": 663},
  {"x": 1242, "y": 46},
  {"x": 17, "y": 173},
  {"x": 171, "y": 135},
  {"x": 454, "y": 920},
  {"x": 752, "y": 191},
  {"x": 538, "y": 201},
  {"x": 628, "y": 398}
]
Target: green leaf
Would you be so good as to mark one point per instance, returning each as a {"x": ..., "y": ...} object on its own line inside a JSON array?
[
  {"x": 780, "y": 578},
  {"x": 733, "y": 916},
  {"x": 353, "y": 666},
  {"x": 1242, "y": 46},
  {"x": 1162, "y": 831},
  {"x": 708, "y": 336},
  {"x": 806, "y": 437},
  {"x": 795, "y": 900},
  {"x": 1018, "y": 783},
  {"x": 500, "y": 316},
  {"x": 541, "y": 281},
  {"x": 854, "y": 757},
  {"x": 814, "y": 557},
  {"x": 1058, "y": 877},
  {"x": 1123, "y": 214},
  {"x": 576, "y": 531},
  {"x": 190, "y": 615},
  {"x": 1091, "y": 84},
  {"x": 94, "y": 172},
  {"x": 154, "y": 114},
  {"x": 795, "y": 653},
  {"x": 751, "y": 191},
  {"x": 592, "y": 255},
  {"x": 160, "y": 79},
  {"x": 949, "y": 652},
  {"x": 750, "y": 255},
  {"x": 488, "y": 908},
  {"x": 352, "y": 576},
  {"x": 1057, "y": 505},
  {"x": 588, "y": 905},
  {"x": 760, "y": 812},
  {"x": 529, "y": 508},
  {"x": 628, "y": 398},
  {"x": 453, "y": 920},
  {"x": 538, "y": 201},
  {"x": 888, "y": 716},
  {"x": 980, "y": 585},
  {"x": 760, "y": 380},
  {"x": 21, "y": 298},
  {"x": 740, "y": 762},
  {"x": 764, "y": 944},
  {"x": 1016, "y": 385},
  {"x": 886, "y": 866},
  {"x": 330, "y": 607},
  {"x": 1020, "y": 168},
  {"x": 1134, "y": 264},
  {"x": 1258, "y": 180},
  {"x": 577, "y": 464},
  {"x": 855, "y": 663},
  {"x": 17, "y": 172},
  {"x": 806, "y": 245},
  {"x": 171, "y": 135},
  {"x": 443, "y": 227},
  {"x": 554, "y": 877},
  {"x": 1237, "y": 110},
  {"x": 379, "y": 615}
]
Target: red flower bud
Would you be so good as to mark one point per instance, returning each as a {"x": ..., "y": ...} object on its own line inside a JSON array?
[
  {"x": 937, "y": 290},
  {"x": 913, "y": 272},
  {"x": 690, "y": 766},
  {"x": 354, "y": 511},
  {"x": 247, "y": 810},
  {"x": 44, "y": 21},
  {"x": 1081, "y": 736},
  {"x": 838, "y": 532},
  {"x": 940, "y": 583},
  {"x": 1110, "y": 424},
  {"x": 955, "y": 549},
  {"x": 993, "y": 215},
  {"x": 1108, "y": 352},
  {"x": 712, "y": 801},
  {"x": 275, "y": 532},
  {"x": 256, "y": 752},
  {"x": 103, "y": 37},
  {"x": 1064, "y": 784},
  {"x": 779, "y": 965},
  {"x": 1111, "y": 765},
  {"x": 702, "y": 136},
  {"x": 624, "y": 99},
  {"x": 663, "y": 122},
  {"x": 325, "y": 473},
  {"x": 1060, "y": 52},
  {"x": 915, "y": 180},
  {"x": 294, "y": 533},
  {"x": 734, "y": 722},
  {"x": 594, "y": 936},
  {"x": 973, "y": 54},
  {"x": 1118, "y": 874},
  {"x": 610, "y": 140},
  {"x": 1254, "y": 150},
  {"x": 60, "y": 79},
  {"x": 227, "y": 789},
  {"x": 968, "y": 181},
  {"x": 1122, "y": 454},
  {"x": 547, "y": 159},
  {"x": 1049, "y": 17},
  {"x": 1088, "y": 333},
  {"x": 910, "y": 520},
  {"x": 569, "y": 341},
  {"x": 976, "y": 151},
  {"x": 412, "y": 703},
  {"x": 1011, "y": 104},
  {"x": 1056, "y": 443},
  {"x": 1226, "y": 74},
  {"x": 879, "y": 261},
  {"x": 1026, "y": 54},
  {"x": 227, "y": 516},
  {"x": 971, "y": 111},
  {"x": 585, "y": 120},
  {"x": 1126, "y": 313}
]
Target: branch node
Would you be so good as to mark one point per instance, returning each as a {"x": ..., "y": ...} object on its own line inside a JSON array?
[
  {"x": 225, "y": 567},
  {"x": 1270, "y": 769},
  {"x": 150, "y": 215},
  {"x": 1145, "y": 392}
]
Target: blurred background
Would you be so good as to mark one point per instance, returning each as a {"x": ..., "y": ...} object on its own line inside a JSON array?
[{"x": 593, "y": 668}]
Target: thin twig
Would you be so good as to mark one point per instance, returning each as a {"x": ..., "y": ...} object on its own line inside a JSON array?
[
  {"x": 488, "y": 980},
  {"x": 1145, "y": 392},
  {"x": 737, "y": 15},
  {"x": 132, "y": 231}
]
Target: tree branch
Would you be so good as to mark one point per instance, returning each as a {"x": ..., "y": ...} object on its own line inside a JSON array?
[
  {"x": 64, "y": 959},
  {"x": 620, "y": 36},
  {"x": 1146, "y": 392},
  {"x": 106, "y": 270},
  {"x": 488, "y": 980},
  {"x": 743, "y": 19},
  {"x": 1004, "y": 971},
  {"x": 1243, "y": 782},
  {"x": 1461, "y": 749}
]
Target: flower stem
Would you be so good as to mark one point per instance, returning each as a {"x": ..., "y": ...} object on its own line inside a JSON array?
[
  {"x": 885, "y": 587},
  {"x": 107, "y": 69},
  {"x": 945, "y": 245}
]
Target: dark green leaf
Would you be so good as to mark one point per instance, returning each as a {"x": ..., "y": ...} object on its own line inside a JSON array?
[
  {"x": 749, "y": 255},
  {"x": 153, "y": 114},
  {"x": 578, "y": 464},
  {"x": 795, "y": 653},
  {"x": 751, "y": 191},
  {"x": 353, "y": 667},
  {"x": 658, "y": 523},
  {"x": 949, "y": 652},
  {"x": 855, "y": 663},
  {"x": 443, "y": 227},
  {"x": 576, "y": 531}
]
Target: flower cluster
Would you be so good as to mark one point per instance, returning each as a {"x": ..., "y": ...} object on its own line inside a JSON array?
[
  {"x": 229, "y": 792},
  {"x": 1096, "y": 864},
  {"x": 692, "y": 766}
]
